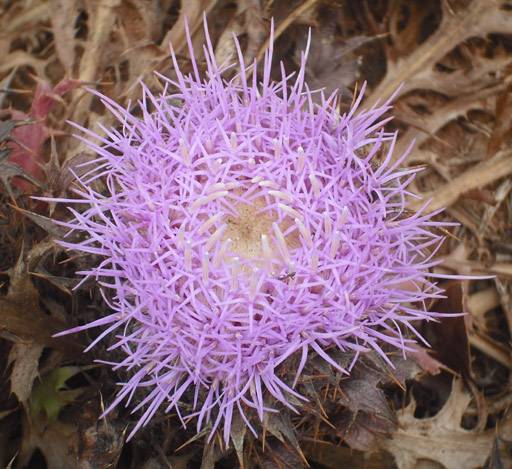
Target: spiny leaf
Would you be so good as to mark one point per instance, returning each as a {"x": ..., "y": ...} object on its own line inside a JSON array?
[{"x": 47, "y": 224}]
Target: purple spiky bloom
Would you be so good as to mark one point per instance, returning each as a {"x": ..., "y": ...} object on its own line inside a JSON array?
[{"x": 245, "y": 223}]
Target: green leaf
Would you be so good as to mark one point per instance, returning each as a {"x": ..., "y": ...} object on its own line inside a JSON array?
[{"x": 50, "y": 394}]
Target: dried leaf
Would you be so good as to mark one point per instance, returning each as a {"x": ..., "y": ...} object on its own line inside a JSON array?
[
  {"x": 225, "y": 51},
  {"x": 47, "y": 224},
  {"x": 452, "y": 347},
  {"x": 279, "y": 455},
  {"x": 361, "y": 430},
  {"x": 210, "y": 456},
  {"x": 281, "y": 427},
  {"x": 22, "y": 317},
  {"x": 502, "y": 131},
  {"x": 142, "y": 20},
  {"x": 64, "y": 14},
  {"x": 440, "y": 438},
  {"x": 74, "y": 166},
  {"x": 334, "y": 456},
  {"x": 55, "y": 440},
  {"x": 361, "y": 392},
  {"x": 81, "y": 441},
  {"x": 102, "y": 16},
  {"x": 238, "y": 430},
  {"x": 19, "y": 58},
  {"x": 25, "y": 370},
  {"x": 480, "y": 175},
  {"x": 480, "y": 18},
  {"x": 332, "y": 63},
  {"x": 192, "y": 11},
  {"x": 363, "y": 395},
  {"x": 254, "y": 24}
]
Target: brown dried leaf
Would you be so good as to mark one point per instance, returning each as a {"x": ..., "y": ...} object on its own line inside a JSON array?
[
  {"x": 452, "y": 347},
  {"x": 479, "y": 175},
  {"x": 423, "y": 127},
  {"x": 238, "y": 430},
  {"x": 480, "y": 18},
  {"x": 210, "y": 456},
  {"x": 361, "y": 392},
  {"x": 192, "y": 11},
  {"x": 362, "y": 430},
  {"x": 254, "y": 25},
  {"x": 363, "y": 395},
  {"x": 225, "y": 51},
  {"x": 502, "y": 131},
  {"x": 47, "y": 224},
  {"x": 367, "y": 415},
  {"x": 52, "y": 439},
  {"x": 19, "y": 58},
  {"x": 293, "y": 16},
  {"x": 335, "y": 457},
  {"x": 142, "y": 20},
  {"x": 143, "y": 61},
  {"x": 332, "y": 61},
  {"x": 78, "y": 440},
  {"x": 280, "y": 426},
  {"x": 64, "y": 14},
  {"x": 484, "y": 73},
  {"x": 441, "y": 438},
  {"x": 25, "y": 357},
  {"x": 279, "y": 455},
  {"x": 102, "y": 16},
  {"x": 23, "y": 319}
]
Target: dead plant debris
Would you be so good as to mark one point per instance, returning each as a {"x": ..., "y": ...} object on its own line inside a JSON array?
[{"x": 446, "y": 408}]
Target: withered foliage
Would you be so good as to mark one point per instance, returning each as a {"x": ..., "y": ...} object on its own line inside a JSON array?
[{"x": 449, "y": 407}]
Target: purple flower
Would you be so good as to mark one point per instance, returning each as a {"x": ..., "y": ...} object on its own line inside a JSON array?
[{"x": 244, "y": 223}]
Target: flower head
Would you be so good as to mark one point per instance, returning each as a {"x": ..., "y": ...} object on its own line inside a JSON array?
[{"x": 244, "y": 223}]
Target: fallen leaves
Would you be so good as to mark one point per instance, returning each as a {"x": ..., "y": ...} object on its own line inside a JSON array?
[
  {"x": 22, "y": 318},
  {"x": 64, "y": 14},
  {"x": 368, "y": 415},
  {"x": 25, "y": 359},
  {"x": 77, "y": 440},
  {"x": 103, "y": 17},
  {"x": 454, "y": 58},
  {"x": 481, "y": 17},
  {"x": 480, "y": 175},
  {"x": 441, "y": 438}
]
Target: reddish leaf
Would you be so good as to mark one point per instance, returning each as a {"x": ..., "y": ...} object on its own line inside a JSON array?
[{"x": 27, "y": 141}]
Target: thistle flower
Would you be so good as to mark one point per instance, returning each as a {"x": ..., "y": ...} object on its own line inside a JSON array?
[{"x": 244, "y": 224}]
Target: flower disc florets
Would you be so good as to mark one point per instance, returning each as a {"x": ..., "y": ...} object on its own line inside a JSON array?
[{"x": 244, "y": 223}]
